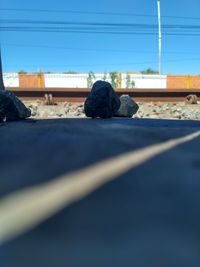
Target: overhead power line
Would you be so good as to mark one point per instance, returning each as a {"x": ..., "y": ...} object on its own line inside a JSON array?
[
  {"x": 68, "y": 65},
  {"x": 93, "y": 31},
  {"x": 79, "y": 48},
  {"x": 93, "y": 13},
  {"x": 92, "y": 49},
  {"x": 98, "y": 24},
  {"x": 97, "y": 27}
]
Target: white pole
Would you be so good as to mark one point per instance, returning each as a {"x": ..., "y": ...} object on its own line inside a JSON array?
[{"x": 159, "y": 39}]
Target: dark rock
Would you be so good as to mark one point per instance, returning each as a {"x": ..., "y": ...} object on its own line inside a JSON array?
[
  {"x": 127, "y": 108},
  {"x": 102, "y": 101},
  {"x": 191, "y": 99},
  {"x": 11, "y": 108}
]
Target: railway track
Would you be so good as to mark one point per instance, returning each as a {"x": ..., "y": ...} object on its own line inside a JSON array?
[{"x": 79, "y": 95}]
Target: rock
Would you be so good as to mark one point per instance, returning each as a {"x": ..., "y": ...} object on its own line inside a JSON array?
[
  {"x": 48, "y": 99},
  {"x": 79, "y": 105},
  {"x": 191, "y": 99},
  {"x": 11, "y": 108},
  {"x": 77, "y": 113},
  {"x": 128, "y": 107},
  {"x": 67, "y": 110},
  {"x": 81, "y": 110},
  {"x": 34, "y": 113},
  {"x": 102, "y": 101}
]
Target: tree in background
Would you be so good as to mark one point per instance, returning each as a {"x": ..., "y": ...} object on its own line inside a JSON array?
[
  {"x": 90, "y": 79},
  {"x": 129, "y": 83},
  {"x": 2, "y": 87},
  {"x": 149, "y": 71},
  {"x": 128, "y": 80},
  {"x": 22, "y": 72},
  {"x": 104, "y": 76},
  {"x": 70, "y": 72},
  {"x": 132, "y": 84},
  {"x": 114, "y": 79}
]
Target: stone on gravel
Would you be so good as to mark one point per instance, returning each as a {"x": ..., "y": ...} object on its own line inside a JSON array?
[
  {"x": 192, "y": 99},
  {"x": 154, "y": 110},
  {"x": 127, "y": 108},
  {"x": 11, "y": 108},
  {"x": 102, "y": 101}
]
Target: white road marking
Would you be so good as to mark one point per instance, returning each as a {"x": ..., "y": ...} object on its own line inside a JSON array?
[{"x": 25, "y": 209}]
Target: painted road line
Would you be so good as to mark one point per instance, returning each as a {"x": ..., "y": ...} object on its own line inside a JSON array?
[{"x": 25, "y": 209}]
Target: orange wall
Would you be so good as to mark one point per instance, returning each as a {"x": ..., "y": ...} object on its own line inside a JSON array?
[
  {"x": 173, "y": 81},
  {"x": 183, "y": 82},
  {"x": 31, "y": 80}
]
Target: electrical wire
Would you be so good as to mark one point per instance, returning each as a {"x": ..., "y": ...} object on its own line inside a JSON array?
[
  {"x": 90, "y": 49},
  {"x": 98, "y": 24},
  {"x": 94, "y": 13},
  {"x": 114, "y": 64},
  {"x": 97, "y": 27},
  {"x": 91, "y": 31}
]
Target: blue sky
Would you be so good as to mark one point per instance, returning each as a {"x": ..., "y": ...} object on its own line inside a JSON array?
[{"x": 100, "y": 52}]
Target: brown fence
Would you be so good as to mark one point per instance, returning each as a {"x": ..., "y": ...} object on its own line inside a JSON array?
[
  {"x": 31, "y": 80},
  {"x": 173, "y": 81},
  {"x": 183, "y": 81}
]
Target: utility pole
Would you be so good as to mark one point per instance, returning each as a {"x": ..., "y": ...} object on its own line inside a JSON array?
[
  {"x": 159, "y": 40},
  {"x": 2, "y": 87}
]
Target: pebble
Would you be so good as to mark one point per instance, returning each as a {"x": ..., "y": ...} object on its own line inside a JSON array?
[{"x": 128, "y": 107}]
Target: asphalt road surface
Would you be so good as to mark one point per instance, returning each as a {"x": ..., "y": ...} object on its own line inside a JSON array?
[{"x": 147, "y": 216}]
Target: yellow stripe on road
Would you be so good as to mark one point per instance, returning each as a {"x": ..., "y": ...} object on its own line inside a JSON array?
[{"x": 25, "y": 209}]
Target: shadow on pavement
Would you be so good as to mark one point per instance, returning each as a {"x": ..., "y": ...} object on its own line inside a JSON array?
[{"x": 148, "y": 217}]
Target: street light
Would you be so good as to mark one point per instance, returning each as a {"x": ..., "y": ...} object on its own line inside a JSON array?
[{"x": 159, "y": 38}]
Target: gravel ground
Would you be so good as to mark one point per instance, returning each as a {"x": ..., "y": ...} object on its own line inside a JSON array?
[{"x": 146, "y": 110}]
